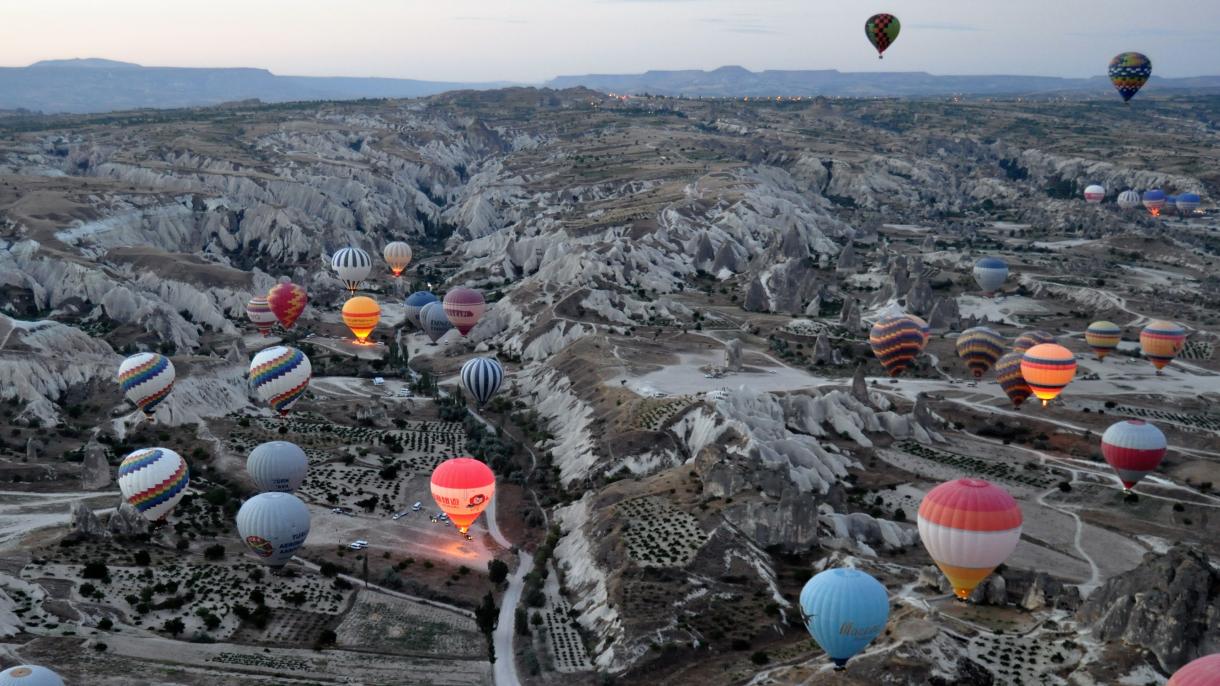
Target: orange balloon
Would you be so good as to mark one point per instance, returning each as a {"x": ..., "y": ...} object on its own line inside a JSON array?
[
  {"x": 462, "y": 488},
  {"x": 361, "y": 315},
  {"x": 1048, "y": 369}
]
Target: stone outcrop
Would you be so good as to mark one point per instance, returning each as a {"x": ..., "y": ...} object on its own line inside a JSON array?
[
  {"x": 127, "y": 521},
  {"x": 95, "y": 470},
  {"x": 85, "y": 524},
  {"x": 732, "y": 355}
]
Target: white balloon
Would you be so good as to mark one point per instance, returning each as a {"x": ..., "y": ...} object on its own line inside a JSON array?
[
  {"x": 273, "y": 526},
  {"x": 277, "y": 466},
  {"x": 280, "y": 375},
  {"x": 29, "y": 675},
  {"x": 351, "y": 265}
]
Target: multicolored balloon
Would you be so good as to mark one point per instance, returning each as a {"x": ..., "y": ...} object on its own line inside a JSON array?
[
  {"x": 844, "y": 609},
  {"x": 1129, "y": 71},
  {"x": 433, "y": 320},
  {"x": 464, "y": 307},
  {"x": 463, "y": 487},
  {"x": 1094, "y": 193},
  {"x": 990, "y": 273},
  {"x": 882, "y": 30},
  {"x": 398, "y": 256},
  {"x": 361, "y": 315},
  {"x": 280, "y": 376},
  {"x": 1154, "y": 201},
  {"x": 481, "y": 376},
  {"x": 352, "y": 266},
  {"x": 277, "y": 466},
  {"x": 273, "y": 526},
  {"x": 1103, "y": 337},
  {"x": 1029, "y": 339},
  {"x": 1128, "y": 199},
  {"x": 980, "y": 347},
  {"x": 1008, "y": 375},
  {"x": 1161, "y": 341},
  {"x": 287, "y": 301},
  {"x": 414, "y": 303},
  {"x": 153, "y": 480},
  {"x": 258, "y": 311},
  {"x": 1133, "y": 448},
  {"x": 1048, "y": 369},
  {"x": 1204, "y": 671},
  {"x": 969, "y": 527},
  {"x": 146, "y": 380},
  {"x": 29, "y": 675},
  {"x": 896, "y": 342}
]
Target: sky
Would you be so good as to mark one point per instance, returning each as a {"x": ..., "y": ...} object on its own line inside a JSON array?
[{"x": 530, "y": 41}]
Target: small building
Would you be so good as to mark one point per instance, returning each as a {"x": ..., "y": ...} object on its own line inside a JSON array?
[{"x": 378, "y": 381}]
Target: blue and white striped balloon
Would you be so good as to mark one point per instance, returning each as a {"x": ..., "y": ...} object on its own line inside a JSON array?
[
  {"x": 415, "y": 302},
  {"x": 990, "y": 273},
  {"x": 434, "y": 321},
  {"x": 481, "y": 376}
]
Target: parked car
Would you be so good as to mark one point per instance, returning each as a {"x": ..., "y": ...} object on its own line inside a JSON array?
[
  {"x": 399, "y": 515},
  {"x": 343, "y": 511},
  {"x": 404, "y": 393},
  {"x": 359, "y": 545},
  {"x": 417, "y": 506}
]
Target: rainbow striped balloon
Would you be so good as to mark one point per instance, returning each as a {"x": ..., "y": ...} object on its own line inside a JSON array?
[
  {"x": 1161, "y": 341},
  {"x": 980, "y": 348},
  {"x": 153, "y": 480},
  {"x": 1133, "y": 448},
  {"x": 1103, "y": 337},
  {"x": 969, "y": 527},
  {"x": 146, "y": 380},
  {"x": 1029, "y": 339},
  {"x": 1048, "y": 369},
  {"x": 1008, "y": 375},
  {"x": 280, "y": 375},
  {"x": 1202, "y": 672},
  {"x": 897, "y": 341}
]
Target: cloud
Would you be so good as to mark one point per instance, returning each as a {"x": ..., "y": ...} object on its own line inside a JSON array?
[
  {"x": 751, "y": 29},
  {"x": 943, "y": 26},
  {"x": 500, "y": 20}
]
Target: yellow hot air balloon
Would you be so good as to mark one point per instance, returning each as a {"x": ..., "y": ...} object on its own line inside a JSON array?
[
  {"x": 1048, "y": 369},
  {"x": 361, "y": 315},
  {"x": 1161, "y": 341}
]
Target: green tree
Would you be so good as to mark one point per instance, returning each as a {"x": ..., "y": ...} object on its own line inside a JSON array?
[
  {"x": 497, "y": 571},
  {"x": 487, "y": 615}
]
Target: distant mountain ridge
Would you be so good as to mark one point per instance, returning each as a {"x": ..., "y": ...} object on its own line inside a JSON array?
[
  {"x": 101, "y": 85},
  {"x": 733, "y": 81}
]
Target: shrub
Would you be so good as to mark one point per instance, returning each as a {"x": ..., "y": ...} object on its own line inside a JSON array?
[
  {"x": 214, "y": 552},
  {"x": 759, "y": 658}
]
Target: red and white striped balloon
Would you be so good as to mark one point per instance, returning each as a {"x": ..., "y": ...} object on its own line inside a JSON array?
[{"x": 1133, "y": 448}]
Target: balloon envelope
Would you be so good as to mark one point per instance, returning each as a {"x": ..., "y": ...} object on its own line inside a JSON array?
[
  {"x": 969, "y": 527},
  {"x": 273, "y": 526},
  {"x": 1103, "y": 337},
  {"x": 1029, "y": 339},
  {"x": 29, "y": 675},
  {"x": 1129, "y": 71},
  {"x": 1008, "y": 375},
  {"x": 462, "y": 487},
  {"x": 980, "y": 348},
  {"x": 287, "y": 301},
  {"x": 844, "y": 610},
  {"x": 1048, "y": 369},
  {"x": 280, "y": 376},
  {"x": 397, "y": 255},
  {"x": 990, "y": 273},
  {"x": 414, "y": 303},
  {"x": 1204, "y": 671},
  {"x": 464, "y": 307},
  {"x": 1161, "y": 341},
  {"x": 258, "y": 311},
  {"x": 433, "y": 320},
  {"x": 277, "y": 466},
  {"x": 153, "y": 480},
  {"x": 481, "y": 376},
  {"x": 361, "y": 315},
  {"x": 1094, "y": 193},
  {"x": 1188, "y": 202},
  {"x": 146, "y": 380},
  {"x": 1128, "y": 199},
  {"x": 1133, "y": 448},
  {"x": 882, "y": 30},
  {"x": 351, "y": 265},
  {"x": 1154, "y": 201},
  {"x": 896, "y": 342}
]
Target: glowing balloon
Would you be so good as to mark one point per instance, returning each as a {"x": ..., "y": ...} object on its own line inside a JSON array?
[
  {"x": 1094, "y": 193},
  {"x": 287, "y": 301},
  {"x": 273, "y": 526},
  {"x": 969, "y": 527},
  {"x": 433, "y": 320},
  {"x": 153, "y": 480},
  {"x": 464, "y": 307},
  {"x": 1154, "y": 201},
  {"x": 1048, "y": 369},
  {"x": 1204, "y": 671},
  {"x": 414, "y": 303},
  {"x": 1008, "y": 375},
  {"x": 258, "y": 311},
  {"x": 146, "y": 380},
  {"x": 277, "y": 466},
  {"x": 980, "y": 348},
  {"x": 1128, "y": 199},
  {"x": 882, "y": 30},
  {"x": 896, "y": 342},
  {"x": 280, "y": 376},
  {"x": 1129, "y": 71},
  {"x": 481, "y": 376},
  {"x": 1133, "y": 448},
  {"x": 397, "y": 255},
  {"x": 1161, "y": 341},
  {"x": 990, "y": 273},
  {"x": 844, "y": 609},
  {"x": 361, "y": 315},
  {"x": 1188, "y": 203},
  {"x": 29, "y": 675},
  {"x": 462, "y": 487},
  {"x": 352, "y": 266},
  {"x": 1029, "y": 339}
]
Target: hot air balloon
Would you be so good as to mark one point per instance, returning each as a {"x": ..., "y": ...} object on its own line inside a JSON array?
[
  {"x": 1029, "y": 339},
  {"x": 1094, "y": 193},
  {"x": 1161, "y": 341},
  {"x": 990, "y": 273},
  {"x": 258, "y": 311},
  {"x": 924, "y": 329},
  {"x": 844, "y": 610},
  {"x": 1133, "y": 448},
  {"x": 153, "y": 480},
  {"x": 1154, "y": 201},
  {"x": 1128, "y": 199},
  {"x": 462, "y": 487},
  {"x": 414, "y": 303},
  {"x": 882, "y": 31},
  {"x": 361, "y": 315},
  {"x": 896, "y": 342},
  {"x": 1048, "y": 369},
  {"x": 277, "y": 466},
  {"x": 351, "y": 265},
  {"x": 287, "y": 301},
  {"x": 1188, "y": 203},
  {"x": 146, "y": 379},
  {"x": 1103, "y": 338},
  {"x": 280, "y": 375},
  {"x": 481, "y": 376},
  {"x": 1171, "y": 204},
  {"x": 980, "y": 348},
  {"x": 433, "y": 321},
  {"x": 274, "y": 526},
  {"x": 1129, "y": 71},
  {"x": 1204, "y": 671},
  {"x": 397, "y": 255},
  {"x": 1008, "y": 375},
  {"x": 969, "y": 527},
  {"x": 464, "y": 307},
  {"x": 29, "y": 675}
]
